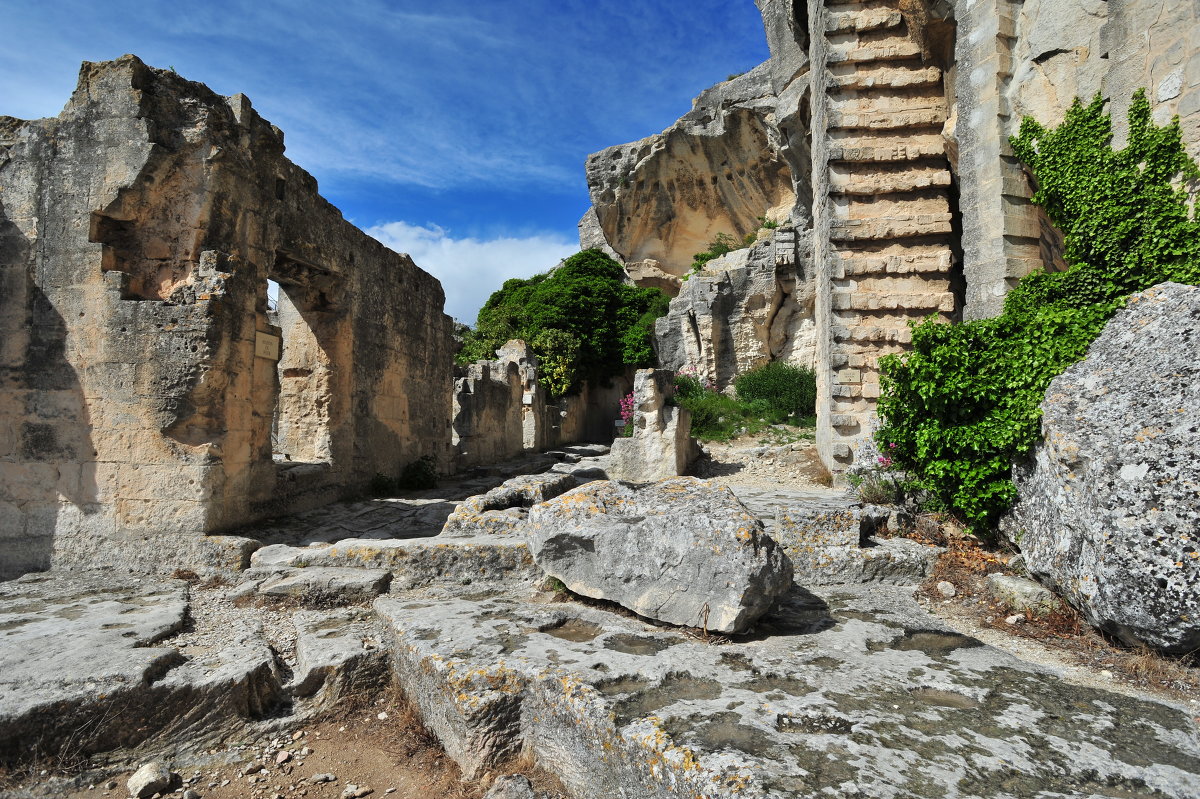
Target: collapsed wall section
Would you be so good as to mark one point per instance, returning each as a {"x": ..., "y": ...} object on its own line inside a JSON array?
[
  {"x": 140, "y": 377},
  {"x": 501, "y": 411}
]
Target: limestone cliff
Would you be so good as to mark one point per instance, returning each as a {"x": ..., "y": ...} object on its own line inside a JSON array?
[
  {"x": 716, "y": 170},
  {"x": 742, "y": 310}
]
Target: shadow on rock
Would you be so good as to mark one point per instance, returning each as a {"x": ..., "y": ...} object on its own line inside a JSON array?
[{"x": 799, "y": 612}]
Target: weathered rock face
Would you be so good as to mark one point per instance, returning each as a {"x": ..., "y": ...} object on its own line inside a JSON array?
[
  {"x": 84, "y": 666},
  {"x": 742, "y": 310},
  {"x": 1109, "y": 509},
  {"x": 717, "y": 170},
  {"x": 147, "y": 394},
  {"x": 661, "y": 445},
  {"x": 678, "y": 551}
]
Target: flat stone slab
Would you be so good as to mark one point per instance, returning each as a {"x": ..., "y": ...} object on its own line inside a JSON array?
[
  {"x": 416, "y": 562},
  {"x": 861, "y": 694},
  {"x": 86, "y": 663},
  {"x": 328, "y": 584},
  {"x": 830, "y": 540}
]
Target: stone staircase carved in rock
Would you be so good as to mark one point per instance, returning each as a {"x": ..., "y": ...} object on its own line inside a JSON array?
[{"x": 887, "y": 205}]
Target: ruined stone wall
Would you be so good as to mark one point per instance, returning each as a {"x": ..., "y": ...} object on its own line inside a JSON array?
[
  {"x": 495, "y": 418},
  {"x": 590, "y": 415},
  {"x": 142, "y": 376},
  {"x": 885, "y": 243},
  {"x": 501, "y": 411}
]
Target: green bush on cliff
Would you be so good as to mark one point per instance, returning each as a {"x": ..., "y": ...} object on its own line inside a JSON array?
[
  {"x": 581, "y": 320},
  {"x": 963, "y": 405}
]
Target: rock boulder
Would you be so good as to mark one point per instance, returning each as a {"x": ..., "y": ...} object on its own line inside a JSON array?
[
  {"x": 679, "y": 551},
  {"x": 1108, "y": 513}
]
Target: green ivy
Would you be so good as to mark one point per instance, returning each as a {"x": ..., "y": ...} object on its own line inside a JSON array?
[
  {"x": 963, "y": 405},
  {"x": 581, "y": 320}
]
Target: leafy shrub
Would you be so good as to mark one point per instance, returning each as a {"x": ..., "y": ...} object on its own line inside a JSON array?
[
  {"x": 719, "y": 417},
  {"x": 722, "y": 244},
  {"x": 715, "y": 416},
  {"x": 581, "y": 320},
  {"x": 878, "y": 487},
  {"x": 382, "y": 486},
  {"x": 786, "y": 391},
  {"x": 419, "y": 475},
  {"x": 963, "y": 405}
]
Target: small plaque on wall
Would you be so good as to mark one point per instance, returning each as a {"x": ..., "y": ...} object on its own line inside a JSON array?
[{"x": 266, "y": 346}]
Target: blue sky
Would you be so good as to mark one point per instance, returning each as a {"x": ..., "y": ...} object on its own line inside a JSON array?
[{"x": 452, "y": 130}]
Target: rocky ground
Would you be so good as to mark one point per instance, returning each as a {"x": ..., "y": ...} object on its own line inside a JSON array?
[{"x": 883, "y": 680}]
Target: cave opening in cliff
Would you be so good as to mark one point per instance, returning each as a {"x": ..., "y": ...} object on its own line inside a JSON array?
[{"x": 302, "y": 423}]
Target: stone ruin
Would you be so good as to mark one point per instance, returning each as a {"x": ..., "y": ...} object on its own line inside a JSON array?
[
  {"x": 149, "y": 391},
  {"x": 502, "y": 412},
  {"x": 158, "y": 395},
  {"x": 875, "y": 138}
]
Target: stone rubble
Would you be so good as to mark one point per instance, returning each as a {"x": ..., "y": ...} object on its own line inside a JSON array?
[
  {"x": 611, "y": 703},
  {"x": 150, "y": 779}
]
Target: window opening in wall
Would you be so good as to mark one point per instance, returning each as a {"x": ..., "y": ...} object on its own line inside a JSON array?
[{"x": 300, "y": 427}]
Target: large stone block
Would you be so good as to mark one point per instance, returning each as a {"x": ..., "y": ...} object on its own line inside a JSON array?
[
  {"x": 661, "y": 445},
  {"x": 678, "y": 551}
]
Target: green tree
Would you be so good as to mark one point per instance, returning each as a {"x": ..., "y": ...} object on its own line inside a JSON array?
[{"x": 581, "y": 320}]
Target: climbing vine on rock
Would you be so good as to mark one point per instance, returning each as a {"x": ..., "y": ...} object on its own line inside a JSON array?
[
  {"x": 581, "y": 320},
  {"x": 963, "y": 405}
]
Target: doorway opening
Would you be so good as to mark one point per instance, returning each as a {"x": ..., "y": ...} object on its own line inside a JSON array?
[{"x": 302, "y": 422}]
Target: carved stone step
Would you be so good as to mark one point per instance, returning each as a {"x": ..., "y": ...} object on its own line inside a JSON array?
[
  {"x": 865, "y": 334},
  {"x": 884, "y": 150},
  {"x": 843, "y": 20},
  {"x": 897, "y": 50},
  {"x": 890, "y": 120},
  {"x": 923, "y": 303},
  {"x": 890, "y": 227},
  {"x": 852, "y": 265},
  {"x": 885, "y": 77},
  {"x": 887, "y": 100},
  {"x": 867, "y": 183},
  {"x": 912, "y": 205}
]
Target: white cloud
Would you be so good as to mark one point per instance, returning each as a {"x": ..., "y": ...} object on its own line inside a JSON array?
[{"x": 470, "y": 268}]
